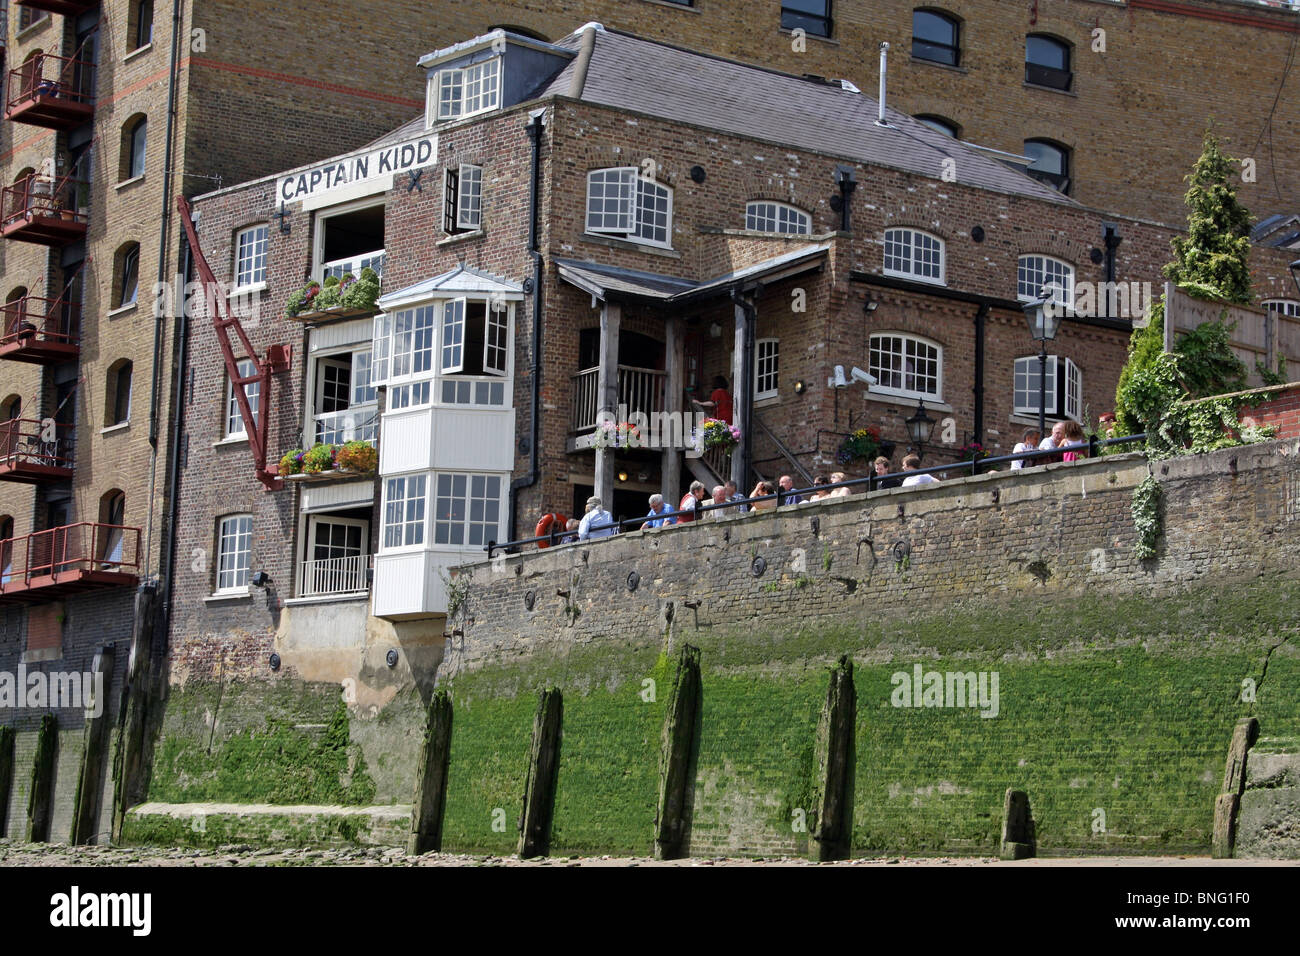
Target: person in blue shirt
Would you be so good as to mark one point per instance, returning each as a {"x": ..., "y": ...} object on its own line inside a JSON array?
[
  {"x": 597, "y": 522},
  {"x": 660, "y": 514}
]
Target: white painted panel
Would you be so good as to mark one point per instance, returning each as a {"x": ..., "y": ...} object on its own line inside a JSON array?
[
  {"x": 404, "y": 441},
  {"x": 476, "y": 440},
  {"x": 401, "y": 584},
  {"x": 345, "y": 494},
  {"x": 341, "y": 334}
]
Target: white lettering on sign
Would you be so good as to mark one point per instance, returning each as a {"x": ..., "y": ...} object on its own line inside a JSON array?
[{"x": 385, "y": 161}]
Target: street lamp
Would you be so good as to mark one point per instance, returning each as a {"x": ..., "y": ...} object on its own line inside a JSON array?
[
  {"x": 920, "y": 427},
  {"x": 1044, "y": 320}
]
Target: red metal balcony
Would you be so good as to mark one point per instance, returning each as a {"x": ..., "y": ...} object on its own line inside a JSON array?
[
  {"x": 69, "y": 8},
  {"x": 76, "y": 557},
  {"x": 42, "y": 210},
  {"x": 40, "y": 330},
  {"x": 56, "y": 92},
  {"x": 32, "y": 451}
]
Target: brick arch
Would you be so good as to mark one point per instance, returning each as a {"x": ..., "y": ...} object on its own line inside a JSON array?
[
  {"x": 1044, "y": 243},
  {"x": 912, "y": 221}
]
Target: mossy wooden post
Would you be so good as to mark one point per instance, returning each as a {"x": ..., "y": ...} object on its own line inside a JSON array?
[
  {"x": 835, "y": 754},
  {"x": 129, "y": 759},
  {"x": 6, "y": 775},
  {"x": 90, "y": 776},
  {"x": 431, "y": 785},
  {"x": 40, "y": 799},
  {"x": 1017, "y": 827},
  {"x": 677, "y": 758},
  {"x": 543, "y": 771},
  {"x": 1223, "y": 838}
]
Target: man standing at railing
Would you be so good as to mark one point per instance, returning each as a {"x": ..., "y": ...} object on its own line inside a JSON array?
[{"x": 597, "y": 522}]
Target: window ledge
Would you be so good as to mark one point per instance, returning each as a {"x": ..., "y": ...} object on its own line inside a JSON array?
[
  {"x": 1017, "y": 418},
  {"x": 130, "y": 182},
  {"x": 122, "y": 310},
  {"x": 41, "y": 654},
  {"x": 811, "y": 36},
  {"x": 930, "y": 404},
  {"x": 766, "y": 401},
  {"x": 349, "y": 597},
  {"x": 943, "y": 66},
  {"x": 138, "y": 51},
  {"x": 119, "y": 427},
  {"x": 461, "y": 237},
  {"x": 222, "y": 597},
  {"x": 231, "y": 440},
  {"x": 1051, "y": 89},
  {"x": 245, "y": 290},
  {"x": 32, "y": 29},
  {"x": 629, "y": 244},
  {"x": 912, "y": 277}
]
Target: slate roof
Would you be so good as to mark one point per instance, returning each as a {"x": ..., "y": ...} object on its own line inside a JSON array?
[
  {"x": 462, "y": 279},
  {"x": 657, "y": 79}
]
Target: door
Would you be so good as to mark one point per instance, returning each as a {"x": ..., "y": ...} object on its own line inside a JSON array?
[{"x": 336, "y": 556}]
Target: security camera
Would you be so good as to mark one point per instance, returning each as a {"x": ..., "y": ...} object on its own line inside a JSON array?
[
  {"x": 865, "y": 378},
  {"x": 838, "y": 380}
]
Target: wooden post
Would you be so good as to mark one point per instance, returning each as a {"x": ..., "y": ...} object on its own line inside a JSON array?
[
  {"x": 836, "y": 751},
  {"x": 128, "y": 769},
  {"x": 1018, "y": 841},
  {"x": 670, "y": 468},
  {"x": 742, "y": 386},
  {"x": 543, "y": 771},
  {"x": 40, "y": 799},
  {"x": 677, "y": 754},
  {"x": 607, "y": 399},
  {"x": 6, "y": 775},
  {"x": 90, "y": 776},
  {"x": 1223, "y": 839},
  {"x": 431, "y": 784}
]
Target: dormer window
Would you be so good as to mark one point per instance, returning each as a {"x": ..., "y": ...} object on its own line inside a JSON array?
[{"x": 467, "y": 91}]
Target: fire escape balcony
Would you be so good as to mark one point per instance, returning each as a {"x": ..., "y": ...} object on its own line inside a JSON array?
[
  {"x": 76, "y": 557},
  {"x": 43, "y": 210},
  {"x": 69, "y": 8},
  {"x": 56, "y": 92},
  {"x": 40, "y": 331},
  {"x": 34, "y": 451}
]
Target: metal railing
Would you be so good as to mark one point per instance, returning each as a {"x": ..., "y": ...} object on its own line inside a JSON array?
[
  {"x": 56, "y": 321},
  {"x": 85, "y": 546},
  {"x": 47, "y": 75},
  {"x": 348, "y": 575},
  {"x": 36, "y": 195},
  {"x": 358, "y": 423},
  {"x": 640, "y": 389},
  {"x": 354, "y": 265},
  {"x": 870, "y": 484},
  {"x": 43, "y": 444}
]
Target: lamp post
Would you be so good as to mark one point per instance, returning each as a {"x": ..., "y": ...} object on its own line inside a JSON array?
[
  {"x": 920, "y": 427},
  {"x": 1044, "y": 320}
]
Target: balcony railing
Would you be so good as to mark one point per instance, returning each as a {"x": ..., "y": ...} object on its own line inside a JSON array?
[
  {"x": 40, "y": 330},
  {"x": 349, "y": 575},
  {"x": 44, "y": 210},
  {"x": 56, "y": 92},
  {"x": 639, "y": 389},
  {"x": 358, "y": 423},
  {"x": 35, "y": 451},
  {"x": 69, "y": 558},
  {"x": 341, "y": 267}
]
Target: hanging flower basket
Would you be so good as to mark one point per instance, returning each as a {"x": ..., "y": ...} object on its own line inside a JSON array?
[
  {"x": 610, "y": 435},
  {"x": 719, "y": 434},
  {"x": 862, "y": 445}
]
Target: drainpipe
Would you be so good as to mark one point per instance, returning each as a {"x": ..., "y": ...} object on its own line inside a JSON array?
[
  {"x": 981, "y": 317},
  {"x": 746, "y": 383},
  {"x": 534, "y": 130},
  {"x": 1111, "y": 240},
  {"x": 181, "y": 350}
]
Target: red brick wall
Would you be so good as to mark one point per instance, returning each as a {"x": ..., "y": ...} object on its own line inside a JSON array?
[{"x": 1282, "y": 412}]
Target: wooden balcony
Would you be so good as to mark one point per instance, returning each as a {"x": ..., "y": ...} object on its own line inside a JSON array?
[
  {"x": 32, "y": 451},
  {"x": 40, "y": 331},
  {"x": 79, "y": 557},
  {"x": 43, "y": 210},
  {"x": 69, "y": 8},
  {"x": 639, "y": 390},
  {"x": 55, "y": 92}
]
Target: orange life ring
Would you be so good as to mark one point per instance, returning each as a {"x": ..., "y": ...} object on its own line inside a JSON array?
[{"x": 544, "y": 527}]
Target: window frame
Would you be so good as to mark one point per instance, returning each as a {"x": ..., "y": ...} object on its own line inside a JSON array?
[
  {"x": 482, "y": 75},
  {"x": 939, "y": 124},
  {"x": 903, "y": 391},
  {"x": 915, "y": 251},
  {"x": 413, "y": 520},
  {"x": 954, "y": 48},
  {"x": 1289, "y": 307},
  {"x": 1061, "y": 181},
  {"x": 1066, "y": 301},
  {"x": 239, "y": 532},
  {"x": 462, "y": 209},
  {"x": 1047, "y": 77},
  {"x": 812, "y": 24},
  {"x": 122, "y": 369},
  {"x": 466, "y": 523},
  {"x": 140, "y": 25},
  {"x": 136, "y": 151},
  {"x": 772, "y": 374},
  {"x": 233, "y": 412},
  {"x": 130, "y": 269},
  {"x": 777, "y": 208},
  {"x": 1063, "y": 397},
  {"x": 631, "y": 216},
  {"x": 257, "y": 256}
]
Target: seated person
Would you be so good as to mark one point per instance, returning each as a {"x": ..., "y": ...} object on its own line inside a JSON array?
[
  {"x": 819, "y": 483},
  {"x": 836, "y": 478},
  {"x": 1073, "y": 435},
  {"x": 660, "y": 514},
  {"x": 883, "y": 467},
  {"x": 911, "y": 463},
  {"x": 1028, "y": 442},
  {"x": 571, "y": 527},
  {"x": 719, "y": 498},
  {"x": 761, "y": 489}
]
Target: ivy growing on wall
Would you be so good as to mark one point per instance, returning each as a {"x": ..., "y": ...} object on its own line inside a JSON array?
[{"x": 1146, "y": 517}]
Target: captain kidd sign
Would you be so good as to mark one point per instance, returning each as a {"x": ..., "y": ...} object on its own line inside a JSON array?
[{"x": 376, "y": 164}]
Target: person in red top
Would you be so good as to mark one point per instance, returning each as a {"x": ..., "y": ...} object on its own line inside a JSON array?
[
  {"x": 696, "y": 493},
  {"x": 719, "y": 404}
]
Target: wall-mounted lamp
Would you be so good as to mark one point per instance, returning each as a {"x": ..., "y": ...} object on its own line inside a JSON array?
[
  {"x": 800, "y": 387},
  {"x": 622, "y": 476},
  {"x": 870, "y": 305},
  {"x": 261, "y": 579}
]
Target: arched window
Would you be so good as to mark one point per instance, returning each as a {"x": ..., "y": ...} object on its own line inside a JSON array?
[
  {"x": 15, "y": 313},
  {"x": 763, "y": 216},
  {"x": 1047, "y": 62},
  {"x": 906, "y": 366},
  {"x": 939, "y": 124},
  {"x": 126, "y": 274},
  {"x": 935, "y": 37},
  {"x": 914, "y": 254},
  {"x": 1051, "y": 163},
  {"x": 11, "y": 408},
  {"x": 112, "y": 514},
  {"x": 1035, "y": 272},
  {"x": 134, "y": 132},
  {"x": 117, "y": 407},
  {"x": 1282, "y": 306}
]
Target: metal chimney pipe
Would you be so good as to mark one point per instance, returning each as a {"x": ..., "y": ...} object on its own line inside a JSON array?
[{"x": 884, "y": 68}]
